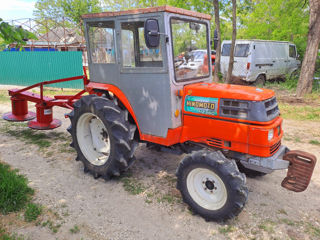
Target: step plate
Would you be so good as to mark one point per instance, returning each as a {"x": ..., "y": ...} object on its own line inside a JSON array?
[{"x": 299, "y": 171}]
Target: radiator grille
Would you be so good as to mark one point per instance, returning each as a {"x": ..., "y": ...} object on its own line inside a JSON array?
[
  {"x": 274, "y": 148},
  {"x": 214, "y": 142},
  {"x": 271, "y": 107}
]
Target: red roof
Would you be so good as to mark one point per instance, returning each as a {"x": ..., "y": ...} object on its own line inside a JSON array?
[{"x": 150, "y": 10}]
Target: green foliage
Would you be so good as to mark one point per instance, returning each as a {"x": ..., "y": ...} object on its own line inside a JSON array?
[
  {"x": 285, "y": 20},
  {"x": 11, "y": 34},
  {"x": 51, "y": 12},
  {"x": 74, "y": 9},
  {"x": 32, "y": 212},
  {"x": 14, "y": 190}
]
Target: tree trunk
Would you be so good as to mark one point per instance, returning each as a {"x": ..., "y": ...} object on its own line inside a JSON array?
[
  {"x": 234, "y": 35},
  {"x": 309, "y": 61},
  {"x": 218, "y": 49}
]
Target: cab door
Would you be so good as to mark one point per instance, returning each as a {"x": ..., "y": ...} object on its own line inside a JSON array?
[{"x": 144, "y": 77}]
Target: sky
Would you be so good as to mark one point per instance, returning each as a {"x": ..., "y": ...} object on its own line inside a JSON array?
[{"x": 16, "y": 9}]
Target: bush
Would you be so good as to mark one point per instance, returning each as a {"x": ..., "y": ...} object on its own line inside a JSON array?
[
  {"x": 32, "y": 212},
  {"x": 14, "y": 190}
]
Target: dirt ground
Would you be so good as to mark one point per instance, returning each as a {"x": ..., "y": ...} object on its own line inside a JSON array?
[{"x": 145, "y": 204}]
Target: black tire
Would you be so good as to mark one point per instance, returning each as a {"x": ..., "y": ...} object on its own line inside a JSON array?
[
  {"x": 119, "y": 130},
  {"x": 249, "y": 172},
  {"x": 294, "y": 74},
  {"x": 236, "y": 192},
  {"x": 260, "y": 81}
]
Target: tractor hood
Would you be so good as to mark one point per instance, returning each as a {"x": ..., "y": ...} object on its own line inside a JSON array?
[{"x": 219, "y": 90}]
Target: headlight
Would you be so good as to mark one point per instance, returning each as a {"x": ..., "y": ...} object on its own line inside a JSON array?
[{"x": 270, "y": 134}]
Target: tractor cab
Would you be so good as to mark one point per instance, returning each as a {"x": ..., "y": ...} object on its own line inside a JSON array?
[{"x": 150, "y": 54}]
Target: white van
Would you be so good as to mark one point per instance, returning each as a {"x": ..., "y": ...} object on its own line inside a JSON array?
[{"x": 260, "y": 60}]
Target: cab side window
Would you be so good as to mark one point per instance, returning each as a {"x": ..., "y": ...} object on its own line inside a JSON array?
[
  {"x": 135, "y": 53},
  {"x": 101, "y": 42}
]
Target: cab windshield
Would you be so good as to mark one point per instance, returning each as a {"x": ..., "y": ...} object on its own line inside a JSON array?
[{"x": 190, "y": 49}]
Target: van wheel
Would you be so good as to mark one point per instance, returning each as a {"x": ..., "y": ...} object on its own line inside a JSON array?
[
  {"x": 294, "y": 74},
  {"x": 260, "y": 81},
  {"x": 212, "y": 185}
]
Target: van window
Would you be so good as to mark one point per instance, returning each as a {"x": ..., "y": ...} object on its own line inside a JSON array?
[
  {"x": 226, "y": 49},
  {"x": 292, "y": 51},
  {"x": 242, "y": 50}
]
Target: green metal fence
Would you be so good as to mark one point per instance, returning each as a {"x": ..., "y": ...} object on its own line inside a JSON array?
[{"x": 27, "y": 68}]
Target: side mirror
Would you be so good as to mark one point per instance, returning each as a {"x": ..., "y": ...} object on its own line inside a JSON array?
[{"x": 151, "y": 33}]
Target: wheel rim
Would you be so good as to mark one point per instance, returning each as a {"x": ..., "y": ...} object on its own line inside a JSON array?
[
  {"x": 206, "y": 188},
  {"x": 93, "y": 139}
]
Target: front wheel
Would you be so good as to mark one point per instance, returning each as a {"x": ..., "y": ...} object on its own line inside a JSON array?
[{"x": 212, "y": 185}]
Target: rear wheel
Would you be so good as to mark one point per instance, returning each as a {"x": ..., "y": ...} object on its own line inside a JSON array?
[
  {"x": 260, "y": 81},
  {"x": 102, "y": 136},
  {"x": 212, "y": 185}
]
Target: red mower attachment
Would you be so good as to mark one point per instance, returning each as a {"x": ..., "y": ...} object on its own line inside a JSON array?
[{"x": 43, "y": 118}]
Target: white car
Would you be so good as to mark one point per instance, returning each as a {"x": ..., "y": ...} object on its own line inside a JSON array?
[{"x": 260, "y": 60}]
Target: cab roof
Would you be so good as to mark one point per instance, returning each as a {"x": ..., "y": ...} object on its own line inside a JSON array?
[{"x": 149, "y": 10}]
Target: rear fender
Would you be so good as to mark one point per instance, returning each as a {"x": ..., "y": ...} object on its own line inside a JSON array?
[{"x": 92, "y": 87}]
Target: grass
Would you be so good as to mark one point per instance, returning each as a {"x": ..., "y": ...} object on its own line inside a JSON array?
[
  {"x": 53, "y": 227},
  {"x": 75, "y": 229},
  {"x": 314, "y": 142},
  {"x": 267, "y": 226},
  {"x": 14, "y": 190},
  {"x": 40, "y": 139},
  {"x": 301, "y": 113},
  {"x": 132, "y": 186},
  {"x": 314, "y": 231},
  {"x": 227, "y": 229},
  {"x": 288, "y": 222},
  {"x": 32, "y": 212},
  {"x": 4, "y": 97},
  {"x": 5, "y": 236},
  {"x": 168, "y": 198},
  {"x": 31, "y": 137},
  {"x": 51, "y": 92}
]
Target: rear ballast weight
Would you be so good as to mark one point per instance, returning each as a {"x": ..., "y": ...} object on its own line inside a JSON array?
[{"x": 150, "y": 83}]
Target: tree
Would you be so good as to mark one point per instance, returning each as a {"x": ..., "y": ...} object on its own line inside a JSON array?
[
  {"x": 218, "y": 48},
  {"x": 13, "y": 35},
  {"x": 233, "y": 42},
  {"x": 275, "y": 20},
  {"x": 72, "y": 9},
  {"x": 310, "y": 57}
]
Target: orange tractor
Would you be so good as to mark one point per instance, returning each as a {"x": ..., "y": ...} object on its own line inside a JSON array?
[{"x": 140, "y": 93}]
